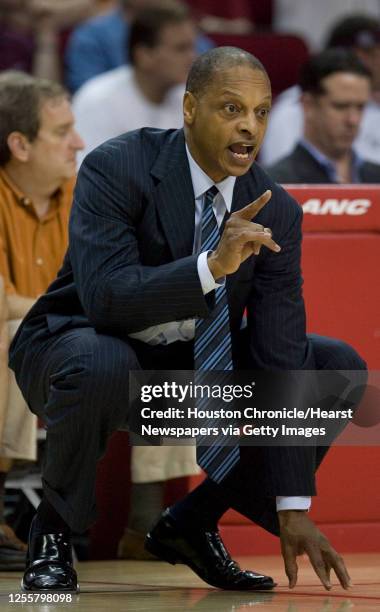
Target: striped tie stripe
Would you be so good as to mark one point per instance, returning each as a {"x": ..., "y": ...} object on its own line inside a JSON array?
[
  {"x": 212, "y": 351},
  {"x": 204, "y": 342}
]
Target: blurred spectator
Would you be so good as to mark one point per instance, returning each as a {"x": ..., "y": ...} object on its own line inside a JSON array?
[
  {"x": 149, "y": 91},
  {"x": 335, "y": 88},
  {"x": 238, "y": 17},
  {"x": 29, "y": 33},
  {"x": 38, "y": 147},
  {"x": 227, "y": 18},
  {"x": 311, "y": 20},
  {"x": 362, "y": 35},
  {"x": 99, "y": 44}
]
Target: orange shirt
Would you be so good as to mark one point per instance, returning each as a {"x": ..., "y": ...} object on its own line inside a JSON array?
[{"x": 31, "y": 249}]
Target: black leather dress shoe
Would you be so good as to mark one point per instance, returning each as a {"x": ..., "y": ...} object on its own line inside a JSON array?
[
  {"x": 205, "y": 553},
  {"x": 49, "y": 563}
]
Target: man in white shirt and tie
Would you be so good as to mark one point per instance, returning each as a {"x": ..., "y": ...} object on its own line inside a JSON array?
[{"x": 134, "y": 275}]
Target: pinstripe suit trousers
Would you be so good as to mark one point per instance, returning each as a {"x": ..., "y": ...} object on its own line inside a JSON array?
[{"x": 78, "y": 384}]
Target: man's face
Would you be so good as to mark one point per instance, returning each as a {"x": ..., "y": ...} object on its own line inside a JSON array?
[
  {"x": 171, "y": 58},
  {"x": 332, "y": 119},
  {"x": 53, "y": 151},
  {"x": 226, "y": 124}
]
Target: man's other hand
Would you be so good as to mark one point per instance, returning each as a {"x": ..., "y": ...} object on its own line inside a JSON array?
[
  {"x": 241, "y": 238},
  {"x": 299, "y": 535}
]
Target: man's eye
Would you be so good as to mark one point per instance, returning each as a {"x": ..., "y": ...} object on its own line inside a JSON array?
[
  {"x": 263, "y": 113},
  {"x": 231, "y": 109}
]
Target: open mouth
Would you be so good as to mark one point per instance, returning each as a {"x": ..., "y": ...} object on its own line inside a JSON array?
[{"x": 242, "y": 151}]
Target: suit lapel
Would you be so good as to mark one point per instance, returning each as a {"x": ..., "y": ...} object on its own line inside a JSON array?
[
  {"x": 174, "y": 195},
  {"x": 243, "y": 195}
]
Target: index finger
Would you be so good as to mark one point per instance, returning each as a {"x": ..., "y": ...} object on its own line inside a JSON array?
[
  {"x": 250, "y": 211},
  {"x": 340, "y": 569},
  {"x": 318, "y": 564}
]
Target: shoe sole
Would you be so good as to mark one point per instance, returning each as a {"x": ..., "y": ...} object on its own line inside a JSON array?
[
  {"x": 165, "y": 553},
  {"x": 26, "y": 590}
]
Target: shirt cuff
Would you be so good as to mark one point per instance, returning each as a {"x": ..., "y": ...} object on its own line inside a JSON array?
[
  {"x": 292, "y": 503},
  {"x": 207, "y": 280}
]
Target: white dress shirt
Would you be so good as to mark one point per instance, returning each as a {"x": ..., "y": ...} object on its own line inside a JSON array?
[{"x": 167, "y": 333}]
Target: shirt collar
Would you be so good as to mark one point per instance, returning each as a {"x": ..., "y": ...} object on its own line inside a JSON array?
[
  {"x": 19, "y": 195},
  {"x": 25, "y": 201},
  {"x": 329, "y": 165},
  {"x": 202, "y": 182}
]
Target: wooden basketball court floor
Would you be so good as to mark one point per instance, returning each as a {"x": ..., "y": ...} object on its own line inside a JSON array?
[{"x": 155, "y": 586}]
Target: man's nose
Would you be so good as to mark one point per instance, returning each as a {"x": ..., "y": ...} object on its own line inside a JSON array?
[
  {"x": 77, "y": 143},
  {"x": 354, "y": 117},
  {"x": 249, "y": 124}
]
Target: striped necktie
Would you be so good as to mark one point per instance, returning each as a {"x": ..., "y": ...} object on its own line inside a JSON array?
[{"x": 212, "y": 351}]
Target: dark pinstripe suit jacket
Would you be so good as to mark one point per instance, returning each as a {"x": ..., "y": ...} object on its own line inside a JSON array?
[
  {"x": 130, "y": 264},
  {"x": 301, "y": 167}
]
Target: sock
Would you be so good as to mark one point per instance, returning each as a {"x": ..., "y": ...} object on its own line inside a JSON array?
[
  {"x": 3, "y": 476},
  {"x": 202, "y": 507},
  {"x": 48, "y": 520},
  {"x": 146, "y": 503}
]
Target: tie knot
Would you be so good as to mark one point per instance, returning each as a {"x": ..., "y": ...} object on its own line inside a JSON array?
[{"x": 211, "y": 194}]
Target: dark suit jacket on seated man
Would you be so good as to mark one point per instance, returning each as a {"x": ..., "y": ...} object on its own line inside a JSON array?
[
  {"x": 132, "y": 276},
  {"x": 305, "y": 164}
]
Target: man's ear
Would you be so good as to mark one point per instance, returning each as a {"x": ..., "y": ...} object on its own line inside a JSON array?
[
  {"x": 189, "y": 108},
  {"x": 308, "y": 102},
  {"x": 19, "y": 146}
]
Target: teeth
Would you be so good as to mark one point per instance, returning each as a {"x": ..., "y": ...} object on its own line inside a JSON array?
[{"x": 241, "y": 155}]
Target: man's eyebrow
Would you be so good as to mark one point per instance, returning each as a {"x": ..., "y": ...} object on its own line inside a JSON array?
[{"x": 229, "y": 92}]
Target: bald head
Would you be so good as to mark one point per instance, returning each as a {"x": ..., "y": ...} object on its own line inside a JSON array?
[{"x": 210, "y": 64}]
